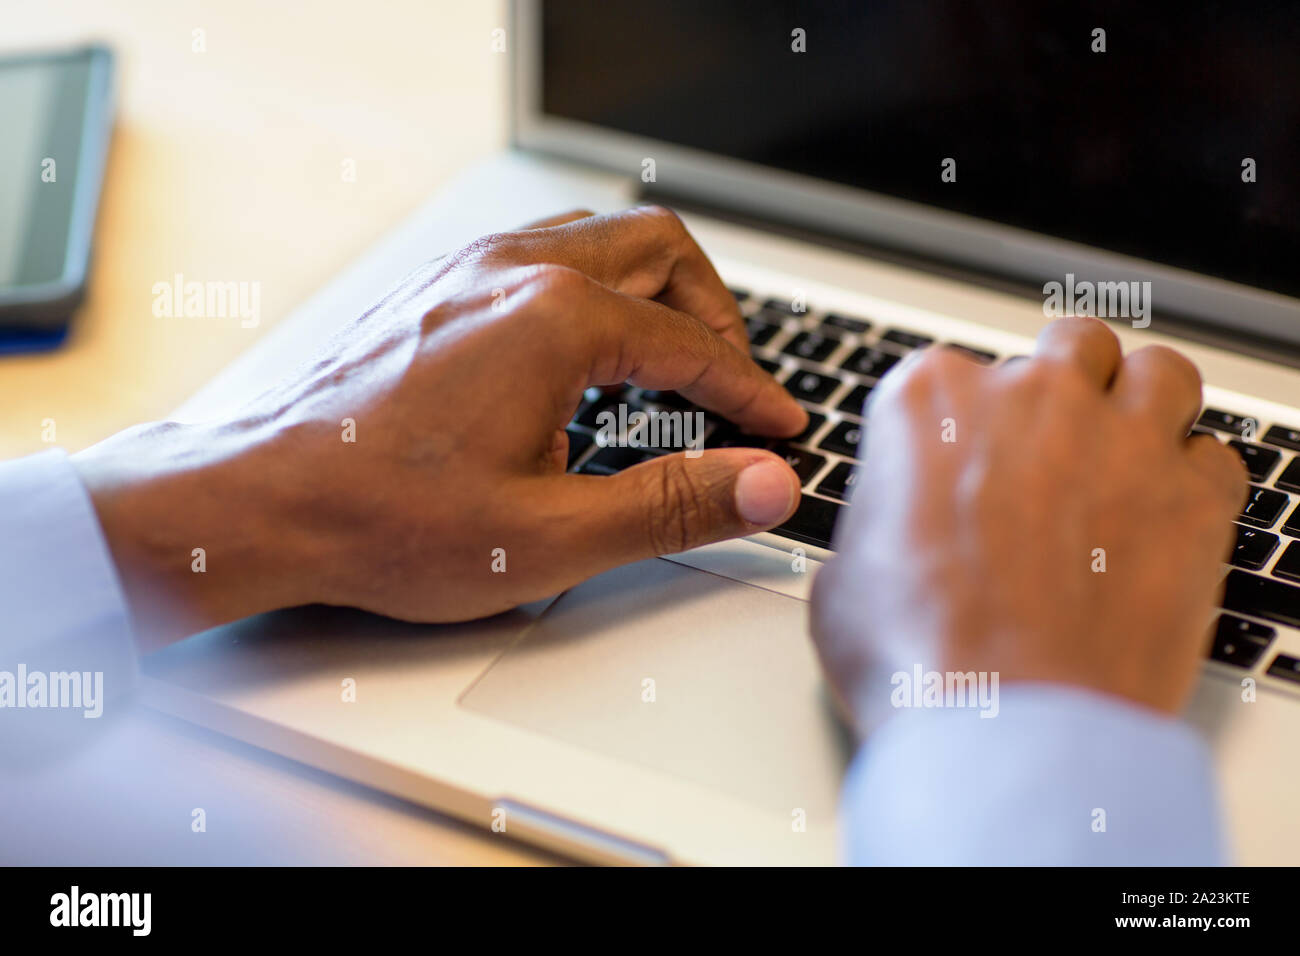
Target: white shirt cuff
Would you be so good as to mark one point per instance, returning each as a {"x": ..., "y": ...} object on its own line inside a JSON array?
[
  {"x": 62, "y": 607},
  {"x": 1061, "y": 776}
]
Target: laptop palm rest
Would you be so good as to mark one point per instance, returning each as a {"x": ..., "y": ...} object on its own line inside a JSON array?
[{"x": 680, "y": 671}]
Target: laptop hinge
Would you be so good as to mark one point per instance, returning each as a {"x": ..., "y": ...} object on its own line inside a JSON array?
[{"x": 1243, "y": 343}]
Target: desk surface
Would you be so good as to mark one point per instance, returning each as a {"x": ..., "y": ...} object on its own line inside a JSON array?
[{"x": 230, "y": 164}]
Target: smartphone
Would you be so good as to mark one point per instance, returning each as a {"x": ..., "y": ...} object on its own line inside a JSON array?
[{"x": 56, "y": 118}]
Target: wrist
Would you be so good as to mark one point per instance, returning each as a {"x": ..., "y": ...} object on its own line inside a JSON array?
[{"x": 193, "y": 528}]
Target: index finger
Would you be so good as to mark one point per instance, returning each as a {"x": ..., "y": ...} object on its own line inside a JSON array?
[
  {"x": 607, "y": 338},
  {"x": 645, "y": 252}
]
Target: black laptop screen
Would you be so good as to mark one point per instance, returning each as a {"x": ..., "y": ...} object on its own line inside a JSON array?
[{"x": 1144, "y": 149}]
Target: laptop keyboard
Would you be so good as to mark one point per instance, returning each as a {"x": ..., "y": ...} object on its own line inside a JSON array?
[{"x": 830, "y": 362}]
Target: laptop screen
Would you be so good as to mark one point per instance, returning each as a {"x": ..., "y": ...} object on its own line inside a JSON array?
[{"x": 1173, "y": 135}]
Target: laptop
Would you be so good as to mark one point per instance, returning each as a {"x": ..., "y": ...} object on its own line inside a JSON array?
[{"x": 868, "y": 179}]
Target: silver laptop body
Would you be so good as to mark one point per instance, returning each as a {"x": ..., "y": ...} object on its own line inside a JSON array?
[{"x": 672, "y": 711}]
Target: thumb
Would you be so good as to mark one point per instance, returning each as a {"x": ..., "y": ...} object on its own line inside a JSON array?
[{"x": 675, "y": 503}]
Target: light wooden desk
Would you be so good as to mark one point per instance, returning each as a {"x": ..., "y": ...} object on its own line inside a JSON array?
[{"x": 229, "y": 165}]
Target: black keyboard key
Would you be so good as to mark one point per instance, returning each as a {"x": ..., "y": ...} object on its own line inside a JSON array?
[
  {"x": 1289, "y": 480},
  {"x": 974, "y": 354},
  {"x": 870, "y": 363},
  {"x": 740, "y": 294},
  {"x": 612, "y": 460},
  {"x": 1285, "y": 667},
  {"x": 1288, "y": 566},
  {"x": 1205, "y": 431},
  {"x": 839, "y": 483},
  {"x": 811, "y": 346},
  {"x": 729, "y": 436},
  {"x": 843, "y": 439},
  {"x": 908, "y": 340},
  {"x": 852, "y": 402},
  {"x": 835, "y": 323},
  {"x": 1263, "y": 507},
  {"x": 1222, "y": 421},
  {"x": 815, "y": 421},
  {"x": 1292, "y": 526},
  {"x": 768, "y": 366},
  {"x": 1260, "y": 461},
  {"x": 760, "y": 332},
  {"x": 785, "y": 306},
  {"x": 1283, "y": 437},
  {"x": 811, "y": 387},
  {"x": 1240, "y": 642},
  {"x": 805, "y": 463},
  {"x": 1253, "y": 548},
  {"x": 1263, "y": 597},
  {"x": 813, "y": 521},
  {"x": 579, "y": 442}
]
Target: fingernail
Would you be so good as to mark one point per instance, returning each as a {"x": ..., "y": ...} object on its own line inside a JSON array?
[{"x": 764, "y": 492}]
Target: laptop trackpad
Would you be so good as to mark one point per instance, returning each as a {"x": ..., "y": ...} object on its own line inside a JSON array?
[{"x": 681, "y": 671}]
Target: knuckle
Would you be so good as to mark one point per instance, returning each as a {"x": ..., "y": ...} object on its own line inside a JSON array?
[
  {"x": 442, "y": 313},
  {"x": 663, "y": 215},
  {"x": 552, "y": 283},
  {"x": 1171, "y": 360},
  {"x": 679, "y": 506},
  {"x": 665, "y": 220},
  {"x": 1082, "y": 331},
  {"x": 1083, "y": 323},
  {"x": 926, "y": 373},
  {"x": 929, "y": 364}
]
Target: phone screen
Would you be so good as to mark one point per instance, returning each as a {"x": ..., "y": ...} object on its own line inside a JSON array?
[{"x": 42, "y": 113}]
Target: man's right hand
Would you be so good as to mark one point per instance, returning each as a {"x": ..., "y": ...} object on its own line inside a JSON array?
[
  {"x": 417, "y": 466},
  {"x": 988, "y": 503}
]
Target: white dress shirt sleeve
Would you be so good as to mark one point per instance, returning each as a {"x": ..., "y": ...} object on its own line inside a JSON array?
[
  {"x": 1061, "y": 776},
  {"x": 62, "y": 609}
]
